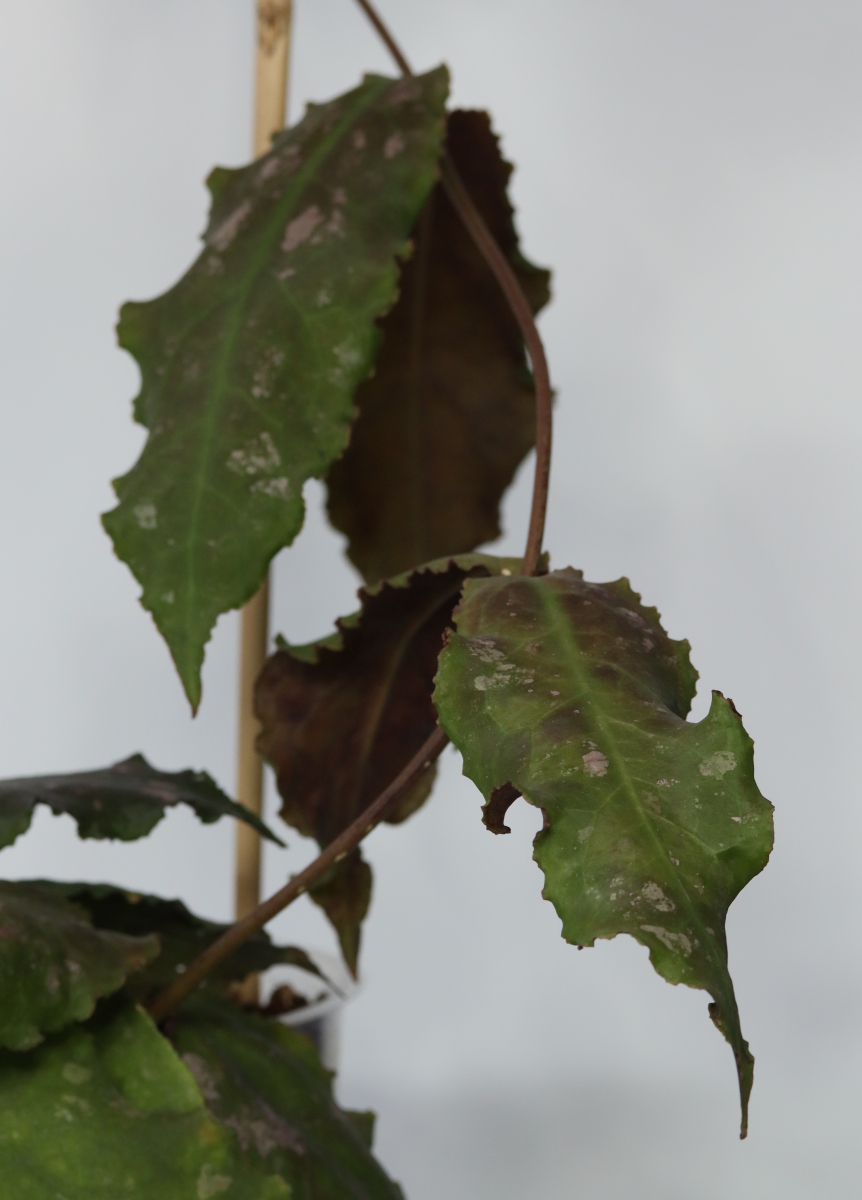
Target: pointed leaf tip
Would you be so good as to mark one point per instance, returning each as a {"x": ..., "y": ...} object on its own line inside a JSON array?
[
  {"x": 344, "y": 894},
  {"x": 573, "y": 694},
  {"x": 744, "y": 1066}
]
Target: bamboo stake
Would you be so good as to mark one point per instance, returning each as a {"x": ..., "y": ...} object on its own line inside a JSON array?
[
  {"x": 273, "y": 50},
  {"x": 270, "y": 105}
]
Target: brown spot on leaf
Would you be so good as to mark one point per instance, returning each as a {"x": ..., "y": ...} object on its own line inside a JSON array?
[{"x": 499, "y": 803}]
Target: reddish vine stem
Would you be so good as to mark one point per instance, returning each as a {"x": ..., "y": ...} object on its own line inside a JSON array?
[
  {"x": 391, "y": 45},
  {"x": 501, "y": 268},
  {"x": 513, "y": 292},
  {"x": 173, "y": 995}
]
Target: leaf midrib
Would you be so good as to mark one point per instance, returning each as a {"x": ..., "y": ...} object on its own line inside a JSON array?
[
  {"x": 218, "y": 373},
  {"x": 573, "y": 655}
]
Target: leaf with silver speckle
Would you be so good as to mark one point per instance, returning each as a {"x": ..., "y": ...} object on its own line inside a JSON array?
[
  {"x": 572, "y": 694},
  {"x": 250, "y": 363}
]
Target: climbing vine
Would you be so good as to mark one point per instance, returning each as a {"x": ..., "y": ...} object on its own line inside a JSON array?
[{"x": 360, "y": 313}]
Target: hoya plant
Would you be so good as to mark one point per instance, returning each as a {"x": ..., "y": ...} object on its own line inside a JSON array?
[{"x": 360, "y": 313}]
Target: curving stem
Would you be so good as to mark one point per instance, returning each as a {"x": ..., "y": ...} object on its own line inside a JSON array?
[
  {"x": 512, "y": 290},
  {"x": 173, "y": 995}
]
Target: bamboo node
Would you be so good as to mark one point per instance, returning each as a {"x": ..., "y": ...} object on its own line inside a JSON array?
[{"x": 273, "y": 24}]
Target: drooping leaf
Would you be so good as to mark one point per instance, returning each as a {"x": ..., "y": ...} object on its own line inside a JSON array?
[
  {"x": 342, "y": 716},
  {"x": 54, "y": 965},
  {"x": 110, "y": 1109},
  {"x": 449, "y": 412},
  {"x": 181, "y": 935},
  {"x": 249, "y": 364},
  {"x": 344, "y": 894},
  {"x": 124, "y": 801},
  {"x": 573, "y": 694}
]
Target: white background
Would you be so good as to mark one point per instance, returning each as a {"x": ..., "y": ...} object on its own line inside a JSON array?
[{"x": 692, "y": 172}]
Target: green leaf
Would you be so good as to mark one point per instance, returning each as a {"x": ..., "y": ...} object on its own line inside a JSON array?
[
  {"x": 342, "y": 716},
  {"x": 182, "y": 936},
  {"x": 264, "y": 1081},
  {"x": 54, "y": 965},
  {"x": 363, "y": 1123},
  {"x": 250, "y": 362},
  {"x": 572, "y": 694},
  {"x": 110, "y": 1109},
  {"x": 124, "y": 801},
  {"x": 449, "y": 412}
]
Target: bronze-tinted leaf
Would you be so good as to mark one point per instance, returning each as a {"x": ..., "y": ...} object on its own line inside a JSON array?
[
  {"x": 344, "y": 894},
  {"x": 449, "y": 412},
  {"x": 342, "y": 716},
  {"x": 573, "y": 694}
]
